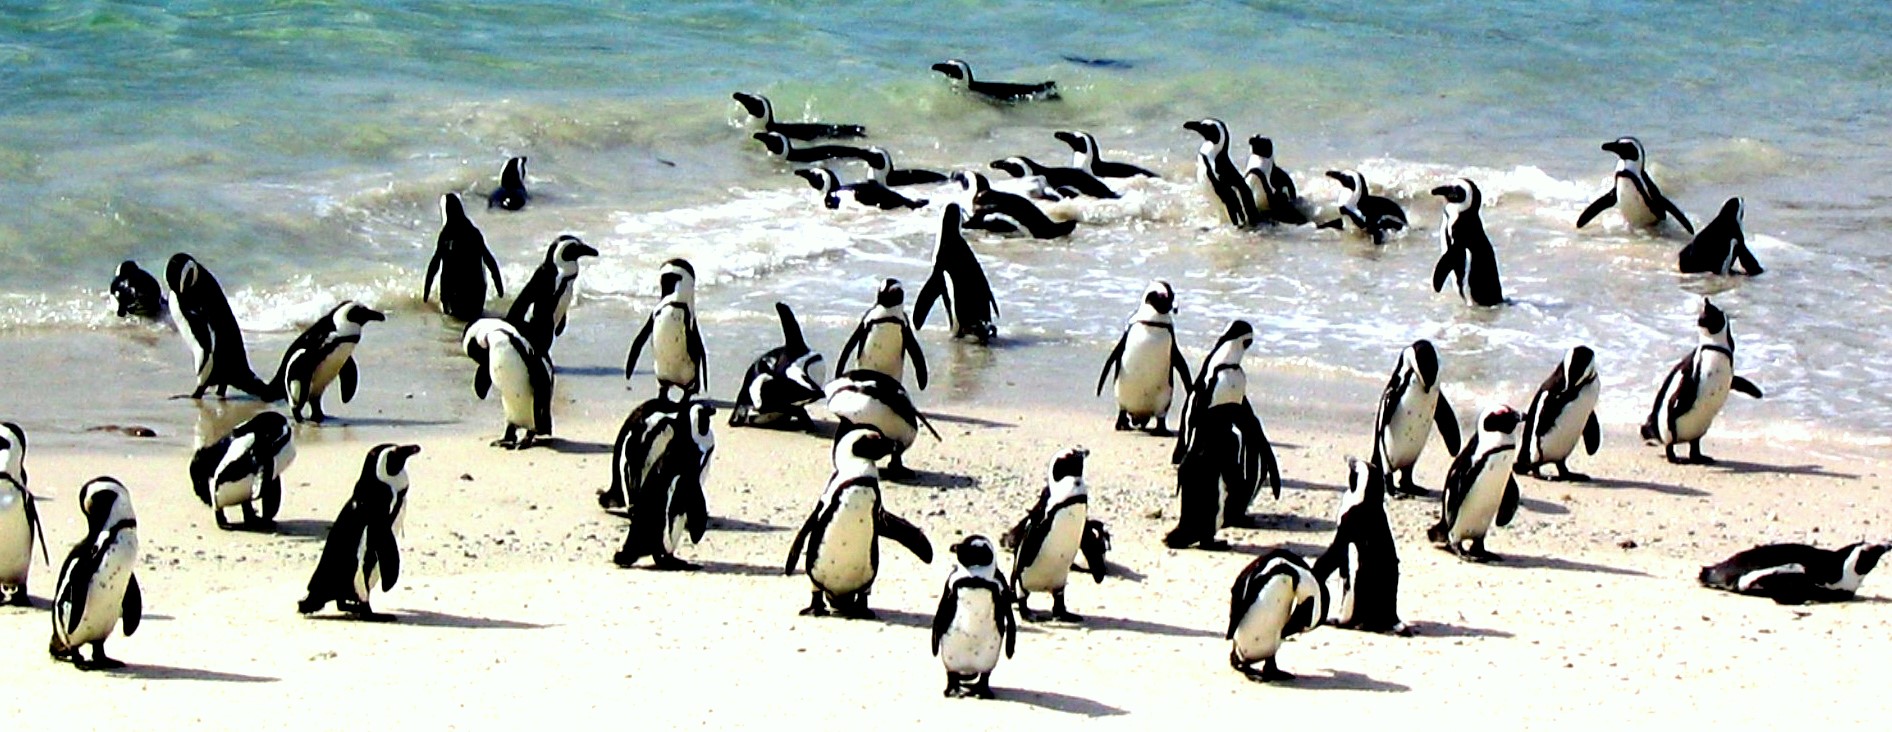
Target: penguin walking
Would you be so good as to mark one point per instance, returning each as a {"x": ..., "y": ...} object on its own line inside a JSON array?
[
  {"x": 1218, "y": 174},
  {"x": 876, "y": 400},
  {"x": 884, "y": 338},
  {"x": 880, "y": 166},
  {"x": 1695, "y": 389},
  {"x": 1720, "y": 246},
  {"x": 1057, "y": 179},
  {"x": 1796, "y": 574},
  {"x": 782, "y": 382},
  {"x": 137, "y": 292},
  {"x": 997, "y": 92},
  {"x": 1375, "y": 216},
  {"x": 1480, "y": 489},
  {"x": 1001, "y": 212},
  {"x": 459, "y": 254},
  {"x": 958, "y": 279},
  {"x": 539, "y": 311},
  {"x": 842, "y": 533},
  {"x": 780, "y": 147},
  {"x": 323, "y": 353},
  {"x": 1272, "y": 186},
  {"x": 19, "y": 519},
  {"x": 1632, "y": 192},
  {"x": 1274, "y": 598},
  {"x": 669, "y": 503},
  {"x": 1219, "y": 475},
  {"x": 678, "y": 356},
  {"x": 1084, "y": 156},
  {"x": 363, "y": 550},
  {"x": 1142, "y": 361},
  {"x": 1360, "y": 568},
  {"x": 1411, "y": 405},
  {"x": 1562, "y": 412},
  {"x": 868, "y": 193},
  {"x": 523, "y": 375},
  {"x": 1465, "y": 252},
  {"x": 1056, "y": 530},
  {"x": 974, "y": 620},
  {"x": 203, "y": 315},
  {"x": 98, "y": 585},
  {"x": 245, "y": 469},
  {"x": 511, "y": 193},
  {"x": 762, "y": 114}
]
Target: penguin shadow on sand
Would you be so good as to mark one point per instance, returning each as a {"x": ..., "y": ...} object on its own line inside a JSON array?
[
  {"x": 1435, "y": 629},
  {"x": 1525, "y": 561},
  {"x": 1337, "y": 680},
  {"x": 432, "y": 619},
  {"x": 299, "y": 529},
  {"x": 1094, "y": 622},
  {"x": 1663, "y": 488},
  {"x": 565, "y": 446},
  {"x": 733, "y": 568},
  {"x": 825, "y": 429},
  {"x": 1284, "y": 522},
  {"x": 724, "y": 523},
  {"x": 1305, "y": 550},
  {"x": 1810, "y": 470},
  {"x": 1056, "y": 702},
  {"x": 147, "y": 672}
]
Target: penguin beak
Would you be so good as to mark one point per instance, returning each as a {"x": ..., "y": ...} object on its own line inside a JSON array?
[
  {"x": 583, "y": 250},
  {"x": 1196, "y": 126},
  {"x": 369, "y": 316},
  {"x": 407, "y": 451},
  {"x": 1339, "y": 176},
  {"x": 1067, "y": 138}
]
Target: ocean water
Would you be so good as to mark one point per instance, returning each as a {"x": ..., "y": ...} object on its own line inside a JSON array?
[{"x": 298, "y": 149}]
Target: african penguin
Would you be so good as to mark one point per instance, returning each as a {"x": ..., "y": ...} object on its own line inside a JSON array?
[
  {"x": 137, "y": 292},
  {"x": 1694, "y": 390},
  {"x": 1632, "y": 192},
  {"x": 881, "y": 166},
  {"x": 779, "y": 146},
  {"x": 782, "y": 382},
  {"x": 1227, "y": 461},
  {"x": 19, "y": 519},
  {"x": 1274, "y": 598},
  {"x": 1375, "y": 216},
  {"x": 1795, "y": 574},
  {"x": 1052, "y": 534},
  {"x": 1272, "y": 186},
  {"x": 1142, "y": 361},
  {"x": 884, "y": 338},
  {"x": 958, "y": 279},
  {"x": 873, "y": 399},
  {"x": 1059, "y": 179},
  {"x": 1720, "y": 246},
  {"x": 461, "y": 261},
  {"x": 974, "y": 620},
  {"x": 1084, "y": 157},
  {"x": 324, "y": 352},
  {"x": 540, "y": 310},
  {"x": 1002, "y": 212},
  {"x": 362, "y": 551},
  {"x": 1563, "y": 410},
  {"x": 669, "y": 503},
  {"x": 97, "y": 584},
  {"x": 642, "y": 441},
  {"x": 763, "y": 112},
  {"x": 995, "y": 91},
  {"x": 511, "y": 193},
  {"x": 523, "y": 375},
  {"x": 1361, "y": 566},
  {"x": 202, "y": 314},
  {"x": 678, "y": 356},
  {"x": 842, "y": 533},
  {"x": 244, "y": 469},
  {"x": 1410, "y": 406},
  {"x": 1465, "y": 252},
  {"x": 1480, "y": 489},
  {"x": 868, "y": 193},
  {"x": 1218, "y": 174}
]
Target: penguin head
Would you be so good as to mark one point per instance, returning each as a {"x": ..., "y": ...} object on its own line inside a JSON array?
[
  {"x": 13, "y": 447},
  {"x": 1460, "y": 195},
  {"x": 819, "y": 178},
  {"x": 700, "y": 413},
  {"x": 756, "y": 105},
  {"x": 1424, "y": 359},
  {"x": 1712, "y": 322},
  {"x": 452, "y": 209},
  {"x": 485, "y": 334},
  {"x": 105, "y": 502},
  {"x": 1863, "y": 557},
  {"x": 1014, "y": 166},
  {"x": 387, "y": 463},
  {"x": 776, "y": 142},
  {"x": 513, "y": 175},
  {"x": 1629, "y": 149},
  {"x": 879, "y": 160},
  {"x": 863, "y": 443},
  {"x": 355, "y": 313},
  {"x": 1579, "y": 367},
  {"x": 1261, "y": 147},
  {"x": 890, "y": 294},
  {"x": 971, "y": 181},
  {"x": 1733, "y": 210},
  {"x": 182, "y": 272},
  {"x": 1212, "y": 131},
  {"x": 1239, "y": 335},
  {"x": 1501, "y": 419},
  {"x": 954, "y": 69},
  {"x": 1068, "y": 464},
  {"x": 1366, "y": 482},
  {"x": 975, "y": 551},
  {"x": 1351, "y": 180},
  {"x": 677, "y": 278},
  {"x": 1160, "y": 297},
  {"x": 566, "y": 249},
  {"x": 1081, "y": 142}
]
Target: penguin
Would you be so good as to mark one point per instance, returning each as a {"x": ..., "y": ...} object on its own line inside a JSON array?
[
  {"x": 876, "y": 400},
  {"x": 881, "y": 166},
  {"x": 761, "y": 111},
  {"x": 1720, "y": 246},
  {"x": 244, "y": 469},
  {"x": 363, "y": 550},
  {"x": 1632, "y": 192},
  {"x": 523, "y": 375},
  {"x": 1274, "y": 598},
  {"x": 1272, "y": 186},
  {"x": 98, "y": 584},
  {"x": 323, "y": 353},
  {"x": 1796, "y": 574},
  {"x": 1562, "y": 411},
  {"x": 1375, "y": 216},
  {"x": 779, "y": 146},
  {"x": 1410, "y": 406},
  {"x": 1694, "y": 390},
  {"x": 1084, "y": 157},
  {"x": 1465, "y": 252},
  {"x": 958, "y": 279},
  {"x": 1221, "y": 381},
  {"x": 539, "y": 311},
  {"x": 203, "y": 315},
  {"x": 511, "y": 193},
  {"x": 1218, "y": 475},
  {"x": 782, "y": 382},
  {"x": 868, "y": 193},
  {"x": 459, "y": 254},
  {"x": 19, "y": 519},
  {"x": 1059, "y": 179},
  {"x": 1218, "y": 174},
  {"x": 998, "y": 92},
  {"x": 1001, "y": 212},
  {"x": 669, "y": 502},
  {"x": 1049, "y": 537},
  {"x": 842, "y": 533},
  {"x": 974, "y": 620},
  {"x": 641, "y": 443},
  {"x": 678, "y": 356},
  {"x": 1480, "y": 489},
  {"x": 1142, "y": 361},
  {"x": 1360, "y": 568},
  {"x": 884, "y": 338},
  {"x": 137, "y": 292}
]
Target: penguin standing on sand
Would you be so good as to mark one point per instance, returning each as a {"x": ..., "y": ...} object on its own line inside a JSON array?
[
  {"x": 522, "y": 374},
  {"x": 998, "y": 92},
  {"x": 244, "y": 469},
  {"x": 1795, "y": 574},
  {"x": 782, "y": 382},
  {"x": 460, "y": 253},
  {"x": 1375, "y": 216},
  {"x": 1562, "y": 412},
  {"x": 363, "y": 550},
  {"x": 137, "y": 292},
  {"x": 511, "y": 193},
  {"x": 884, "y": 338},
  {"x": 539, "y": 311},
  {"x": 1218, "y": 174},
  {"x": 642, "y": 441},
  {"x": 1480, "y": 489},
  {"x": 1465, "y": 252},
  {"x": 202, "y": 314},
  {"x": 876, "y": 400},
  {"x": 679, "y": 358},
  {"x": 843, "y": 532},
  {"x": 1720, "y": 246},
  {"x": 974, "y": 620},
  {"x": 98, "y": 586},
  {"x": 1000, "y": 212},
  {"x": 1145, "y": 356},
  {"x": 669, "y": 503},
  {"x": 1632, "y": 192},
  {"x": 1361, "y": 567},
  {"x": 19, "y": 519},
  {"x": 1221, "y": 380},
  {"x": 1273, "y": 188},
  {"x": 1410, "y": 406},
  {"x": 1274, "y": 598},
  {"x": 1219, "y": 475},
  {"x": 1084, "y": 157},
  {"x": 323, "y": 353},
  {"x": 958, "y": 279},
  {"x": 1695, "y": 389},
  {"x": 762, "y": 114},
  {"x": 1056, "y": 530}
]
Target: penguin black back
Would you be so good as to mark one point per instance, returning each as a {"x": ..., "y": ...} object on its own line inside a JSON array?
[
  {"x": 959, "y": 280},
  {"x": 137, "y": 292},
  {"x": 511, "y": 193},
  {"x": 460, "y": 253}
]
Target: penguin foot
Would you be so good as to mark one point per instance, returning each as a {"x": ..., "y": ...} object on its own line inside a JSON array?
[
  {"x": 626, "y": 559},
  {"x": 1123, "y": 421},
  {"x": 309, "y": 605},
  {"x": 984, "y": 690},
  {"x": 1029, "y": 615},
  {"x": 1213, "y": 545},
  {"x": 98, "y": 663},
  {"x": 859, "y": 613},
  {"x": 507, "y": 443},
  {"x": 19, "y": 599},
  {"x": 814, "y": 612},
  {"x": 1270, "y": 672},
  {"x": 1161, "y": 430},
  {"x": 1400, "y": 629},
  {"x": 1572, "y": 477},
  {"x": 897, "y": 473},
  {"x": 1066, "y": 616},
  {"x": 672, "y": 564},
  {"x": 223, "y": 523},
  {"x": 1409, "y": 491}
]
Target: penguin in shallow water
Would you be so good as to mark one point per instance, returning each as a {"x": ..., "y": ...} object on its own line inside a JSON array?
[
  {"x": 511, "y": 193},
  {"x": 522, "y": 374},
  {"x": 995, "y": 91},
  {"x": 1274, "y": 598},
  {"x": 1632, "y": 192},
  {"x": 1145, "y": 355},
  {"x": 1411, "y": 405},
  {"x": 678, "y": 356},
  {"x": 245, "y": 469},
  {"x": 1720, "y": 246},
  {"x": 1465, "y": 252},
  {"x": 884, "y": 338},
  {"x": 779, "y": 146},
  {"x": 1361, "y": 566},
  {"x": 1084, "y": 156},
  {"x": 842, "y": 534},
  {"x": 669, "y": 503},
  {"x": 323, "y": 353},
  {"x": 539, "y": 311},
  {"x": 202, "y": 314},
  {"x": 1562, "y": 412},
  {"x": 1480, "y": 490},
  {"x": 868, "y": 193},
  {"x": 1053, "y": 534},
  {"x": 880, "y": 165},
  {"x": 1273, "y": 188},
  {"x": 876, "y": 400},
  {"x": 1002, "y": 212},
  {"x": 19, "y": 519},
  {"x": 958, "y": 279},
  {"x": 461, "y": 261},
  {"x": 363, "y": 550},
  {"x": 1218, "y": 174},
  {"x": 1695, "y": 389},
  {"x": 98, "y": 586},
  {"x": 762, "y": 112},
  {"x": 1375, "y": 216},
  {"x": 1058, "y": 179},
  {"x": 782, "y": 382},
  {"x": 137, "y": 292},
  {"x": 1795, "y": 574},
  {"x": 974, "y": 620}
]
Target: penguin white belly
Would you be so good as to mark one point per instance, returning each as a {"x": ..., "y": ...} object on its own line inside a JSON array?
[
  {"x": 514, "y": 381},
  {"x": 1715, "y": 372},
  {"x": 326, "y": 371},
  {"x": 243, "y": 488},
  {"x": 862, "y": 409},
  {"x": 1143, "y": 386},
  {"x": 1405, "y": 434},
  {"x": 105, "y": 598},
  {"x": 1340, "y": 587},
  {"x": 566, "y": 289},
  {"x": 364, "y": 581},
  {"x": 1567, "y": 428},
  {"x": 200, "y": 352},
  {"x": 1258, "y": 636},
  {"x": 1480, "y": 506},
  {"x": 1230, "y": 387},
  {"x": 16, "y": 538},
  {"x": 845, "y": 562},
  {"x": 1630, "y": 203},
  {"x": 1260, "y": 187},
  {"x": 882, "y": 352},
  {"x": 972, "y": 642},
  {"x": 671, "y": 334},
  {"x": 1052, "y": 567}
]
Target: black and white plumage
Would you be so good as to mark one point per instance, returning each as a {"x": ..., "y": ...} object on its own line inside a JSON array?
[
  {"x": 995, "y": 91},
  {"x": 1361, "y": 566},
  {"x": 324, "y": 353},
  {"x": 1411, "y": 405},
  {"x": 1632, "y": 192},
  {"x": 779, "y": 146},
  {"x": 523, "y": 376},
  {"x": 1274, "y": 598},
  {"x": 202, "y": 314},
  {"x": 880, "y": 165},
  {"x": 1227, "y": 461},
  {"x": 782, "y": 382},
  {"x": 762, "y": 112},
  {"x": 1058, "y": 179},
  {"x": 363, "y": 550},
  {"x": 461, "y": 261},
  {"x": 1084, "y": 156},
  {"x": 1004, "y": 212},
  {"x": 98, "y": 586},
  {"x": 1275, "y": 196},
  {"x": 1693, "y": 392},
  {"x": 1056, "y": 531},
  {"x": 540, "y": 310},
  {"x": 678, "y": 356},
  {"x": 1375, "y": 216},
  {"x": 958, "y": 279},
  {"x": 974, "y": 620},
  {"x": 1480, "y": 490},
  {"x": 883, "y": 339},
  {"x": 245, "y": 469},
  {"x": 842, "y": 534},
  {"x": 1720, "y": 246},
  {"x": 20, "y": 524},
  {"x": 1796, "y": 574},
  {"x": 868, "y": 193},
  {"x": 668, "y": 503},
  {"x": 642, "y": 441},
  {"x": 137, "y": 292},
  {"x": 875, "y": 400},
  {"x": 1217, "y": 173},
  {"x": 1465, "y": 251},
  {"x": 1562, "y": 412},
  {"x": 511, "y": 194},
  {"x": 1142, "y": 361}
]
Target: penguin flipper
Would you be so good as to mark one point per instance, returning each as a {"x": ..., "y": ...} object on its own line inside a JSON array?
[
  {"x": 1447, "y": 420},
  {"x": 801, "y": 538},
  {"x": 1508, "y": 508},
  {"x": 1661, "y": 204},
  {"x": 433, "y": 269},
  {"x": 854, "y": 340},
  {"x": 1445, "y": 267},
  {"x": 1114, "y": 359},
  {"x": 791, "y": 330},
  {"x": 1015, "y": 538},
  {"x": 1592, "y": 435},
  {"x": 1458, "y": 477},
  {"x": 943, "y": 617},
  {"x": 387, "y": 554},
  {"x": 1094, "y": 545},
  {"x": 1741, "y": 384},
  {"x": 905, "y": 534},
  {"x": 539, "y": 375},
  {"x": 1237, "y": 605},
  {"x": 934, "y": 289},
  {"x": 492, "y": 265},
  {"x": 32, "y": 519},
  {"x": 693, "y": 343},
  {"x": 1745, "y": 256},
  {"x": 637, "y": 344},
  {"x": 1601, "y": 204},
  {"x": 348, "y": 377},
  {"x": 133, "y": 606},
  {"x": 911, "y": 344},
  {"x": 482, "y": 380},
  {"x": 690, "y": 502},
  {"x": 1179, "y": 364},
  {"x": 1007, "y": 624}
]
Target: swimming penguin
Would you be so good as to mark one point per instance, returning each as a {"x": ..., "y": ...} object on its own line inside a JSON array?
[
  {"x": 511, "y": 193},
  {"x": 1795, "y": 574},
  {"x": 202, "y": 314},
  {"x": 1056, "y": 530},
  {"x": 641, "y": 443},
  {"x": 1275, "y": 197},
  {"x": 1720, "y": 246},
  {"x": 974, "y": 620},
  {"x": 779, "y": 146},
  {"x": 539, "y": 311},
  {"x": 1274, "y": 598},
  {"x": 1694, "y": 390},
  {"x": 1375, "y": 216},
  {"x": 881, "y": 166},
  {"x": 1361, "y": 567},
  {"x": 363, "y": 550},
  {"x": 1219, "y": 475},
  {"x": 958, "y": 279},
  {"x": 1410, "y": 406},
  {"x": 1563, "y": 411},
  {"x": 523, "y": 375},
  {"x": 98, "y": 586},
  {"x": 1480, "y": 489},
  {"x": 1465, "y": 251},
  {"x": 843, "y": 532},
  {"x": 137, "y": 292},
  {"x": 782, "y": 382},
  {"x": 1632, "y": 192},
  {"x": 995, "y": 91},
  {"x": 459, "y": 254},
  {"x": 1059, "y": 179},
  {"x": 760, "y": 110},
  {"x": 678, "y": 356},
  {"x": 868, "y": 193},
  {"x": 669, "y": 503},
  {"x": 19, "y": 519},
  {"x": 244, "y": 469},
  {"x": 885, "y": 338},
  {"x": 1084, "y": 157},
  {"x": 1218, "y": 174},
  {"x": 323, "y": 353},
  {"x": 1001, "y": 212},
  {"x": 876, "y": 400},
  {"x": 1145, "y": 355}
]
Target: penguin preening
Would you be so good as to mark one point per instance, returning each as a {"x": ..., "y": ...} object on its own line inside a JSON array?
[
  {"x": 1054, "y": 533},
  {"x": 958, "y": 279},
  {"x": 1142, "y": 361},
  {"x": 1275, "y": 597},
  {"x": 1795, "y": 574},
  {"x": 1632, "y": 192},
  {"x": 1217, "y": 172},
  {"x": 779, "y": 146},
  {"x": 782, "y": 382},
  {"x": 523, "y": 376},
  {"x": 1465, "y": 252},
  {"x": 540, "y": 309},
  {"x": 1271, "y": 185},
  {"x": 137, "y": 292},
  {"x": 677, "y": 355},
  {"x": 1411, "y": 405},
  {"x": 974, "y": 620},
  {"x": 202, "y": 314},
  {"x": 1480, "y": 490},
  {"x": 870, "y": 193},
  {"x": 20, "y": 523},
  {"x": 1562, "y": 412},
  {"x": 1720, "y": 246},
  {"x": 511, "y": 193},
  {"x": 98, "y": 586},
  {"x": 1375, "y": 216},
  {"x": 1694, "y": 390},
  {"x": 461, "y": 261},
  {"x": 762, "y": 111},
  {"x": 1084, "y": 156},
  {"x": 323, "y": 353},
  {"x": 245, "y": 469},
  {"x": 995, "y": 91},
  {"x": 842, "y": 534},
  {"x": 362, "y": 551},
  {"x": 1059, "y": 179},
  {"x": 669, "y": 503},
  {"x": 1224, "y": 466},
  {"x": 884, "y": 338},
  {"x": 1002, "y": 212},
  {"x": 1361, "y": 566},
  {"x": 641, "y": 443}
]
